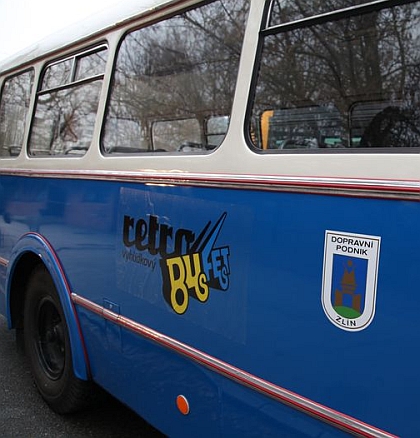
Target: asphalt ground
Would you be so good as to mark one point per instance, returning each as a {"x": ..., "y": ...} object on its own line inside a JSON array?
[{"x": 23, "y": 414}]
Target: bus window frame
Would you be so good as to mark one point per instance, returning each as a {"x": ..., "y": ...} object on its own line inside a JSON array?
[
  {"x": 97, "y": 47},
  {"x": 29, "y": 112},
  {"x": 206, "y": 148},
  {"x": 306, "y": 22}
]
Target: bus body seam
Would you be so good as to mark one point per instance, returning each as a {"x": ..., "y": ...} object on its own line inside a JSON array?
[
  {"x": 352, "y": 187},
  {"x": 290, "y": 398}
]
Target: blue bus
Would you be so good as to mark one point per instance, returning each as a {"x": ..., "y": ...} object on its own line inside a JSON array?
[{"x": 211, "y": 211}]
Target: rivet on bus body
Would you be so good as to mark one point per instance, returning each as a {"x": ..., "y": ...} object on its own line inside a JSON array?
[{"x": 183, "y": 405}]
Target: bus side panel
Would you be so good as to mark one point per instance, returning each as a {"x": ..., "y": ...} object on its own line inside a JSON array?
[
  {"x": 3, "y": 271},
  {"x": 239, "y": 276},
  {"x": 149, "y": 379},
  {"x": 247, "y": 413}
]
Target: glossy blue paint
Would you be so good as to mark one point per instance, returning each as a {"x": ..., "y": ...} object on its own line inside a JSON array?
[
  {"x": 263, "y": 311},
  {"x": 34, "y": 243}
]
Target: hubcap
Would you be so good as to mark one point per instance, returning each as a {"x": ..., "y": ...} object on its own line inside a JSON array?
[{"x": 50, "y": 339}]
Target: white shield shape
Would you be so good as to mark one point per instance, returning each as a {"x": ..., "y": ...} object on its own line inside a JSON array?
[{"x": 350, "y": 278}]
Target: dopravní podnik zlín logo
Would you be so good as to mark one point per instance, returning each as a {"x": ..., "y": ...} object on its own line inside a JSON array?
[
  {"x": 350, "y": 279},
  {"x": 193, "y": 267}
]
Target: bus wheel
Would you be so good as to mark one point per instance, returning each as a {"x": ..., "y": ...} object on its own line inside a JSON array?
[{"x": 47, "y": 346}]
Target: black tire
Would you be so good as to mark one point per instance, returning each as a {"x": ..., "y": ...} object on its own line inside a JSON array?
[{"x": 47, "y": 346}]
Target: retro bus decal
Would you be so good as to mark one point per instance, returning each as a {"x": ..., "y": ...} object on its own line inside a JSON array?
[{"x": 189, "y": 272}]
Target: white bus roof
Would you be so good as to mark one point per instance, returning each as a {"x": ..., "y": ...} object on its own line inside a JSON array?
[{"x": 95, "y": 25}]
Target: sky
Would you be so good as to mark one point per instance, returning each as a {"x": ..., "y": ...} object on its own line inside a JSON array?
[{"x": 25, "y": 22}]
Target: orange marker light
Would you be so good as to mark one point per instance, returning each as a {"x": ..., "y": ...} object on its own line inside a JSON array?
[{"x": 183, "y": 405}]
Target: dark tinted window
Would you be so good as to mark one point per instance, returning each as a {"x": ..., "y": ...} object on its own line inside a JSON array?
[{"x": 349, "y": 81}]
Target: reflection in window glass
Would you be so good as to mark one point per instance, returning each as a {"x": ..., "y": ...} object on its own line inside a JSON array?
[
  {"x": 216, "y": 130},
  {"x": 173, "y": 76},
  {"x": 13, "y": 112},
  {"x": 66, "y": 112},
  {"x": 284, "y": 11},
  {"x": 177, "y": 135},
  {"x": 57, "y": 74},
  {"x": 64, "y": 120},
  {"x": 90, "y": 65},
  {"x": 349, "y": 83}
]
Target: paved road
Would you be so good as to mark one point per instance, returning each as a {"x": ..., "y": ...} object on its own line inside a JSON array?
[{"x": 24, "y": 415}]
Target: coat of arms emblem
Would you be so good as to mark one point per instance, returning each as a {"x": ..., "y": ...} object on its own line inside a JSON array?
[{"x": 350, "y": 279}]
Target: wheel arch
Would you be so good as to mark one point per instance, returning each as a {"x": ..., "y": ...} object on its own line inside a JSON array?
[{"x": 30, "y": 251}]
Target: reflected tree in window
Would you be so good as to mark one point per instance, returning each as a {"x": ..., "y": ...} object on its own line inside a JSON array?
[
  {"x": 182, "y": 68},
  {"x": 66, "y": 105},
  {"x": 14, "y": 107},
  {"x": 369, "y": 58}
]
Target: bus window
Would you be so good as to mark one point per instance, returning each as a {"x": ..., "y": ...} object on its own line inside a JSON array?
[
  {"x": 374, "y": 124},
  {"x": 354, "y": 66},
  {"x": 173, "y": 135},
  {"x": 217, "y": 127},
  {"x": 183, "y": 68},
  {"x": 13, "y": 111},
  {"x": 66, "y": 105},
  {"x": 283, "y": 11},
  {"x": 301, "y": 128}
]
